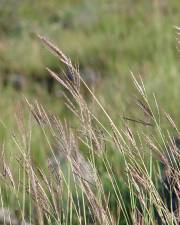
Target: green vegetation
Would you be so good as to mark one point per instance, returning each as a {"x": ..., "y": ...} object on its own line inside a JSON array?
[
  {"x": 107, "y": 39},
  {"x": 111, "y": 37}
]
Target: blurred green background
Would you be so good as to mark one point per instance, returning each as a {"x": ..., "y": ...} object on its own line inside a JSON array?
[{"x": 107, "y": 39}]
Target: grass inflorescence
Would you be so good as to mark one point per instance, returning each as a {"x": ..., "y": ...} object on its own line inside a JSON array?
[{"x": 97, "y": 171}]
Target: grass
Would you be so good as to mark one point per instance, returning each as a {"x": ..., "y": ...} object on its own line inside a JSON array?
[
  {"x": 113, "y": 39},
  {"x": 133, "y": 36},
  {"x": 79, "y": 183}
]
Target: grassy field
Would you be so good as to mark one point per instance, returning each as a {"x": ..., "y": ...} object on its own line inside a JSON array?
[{"x": 109, "y": 41}]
